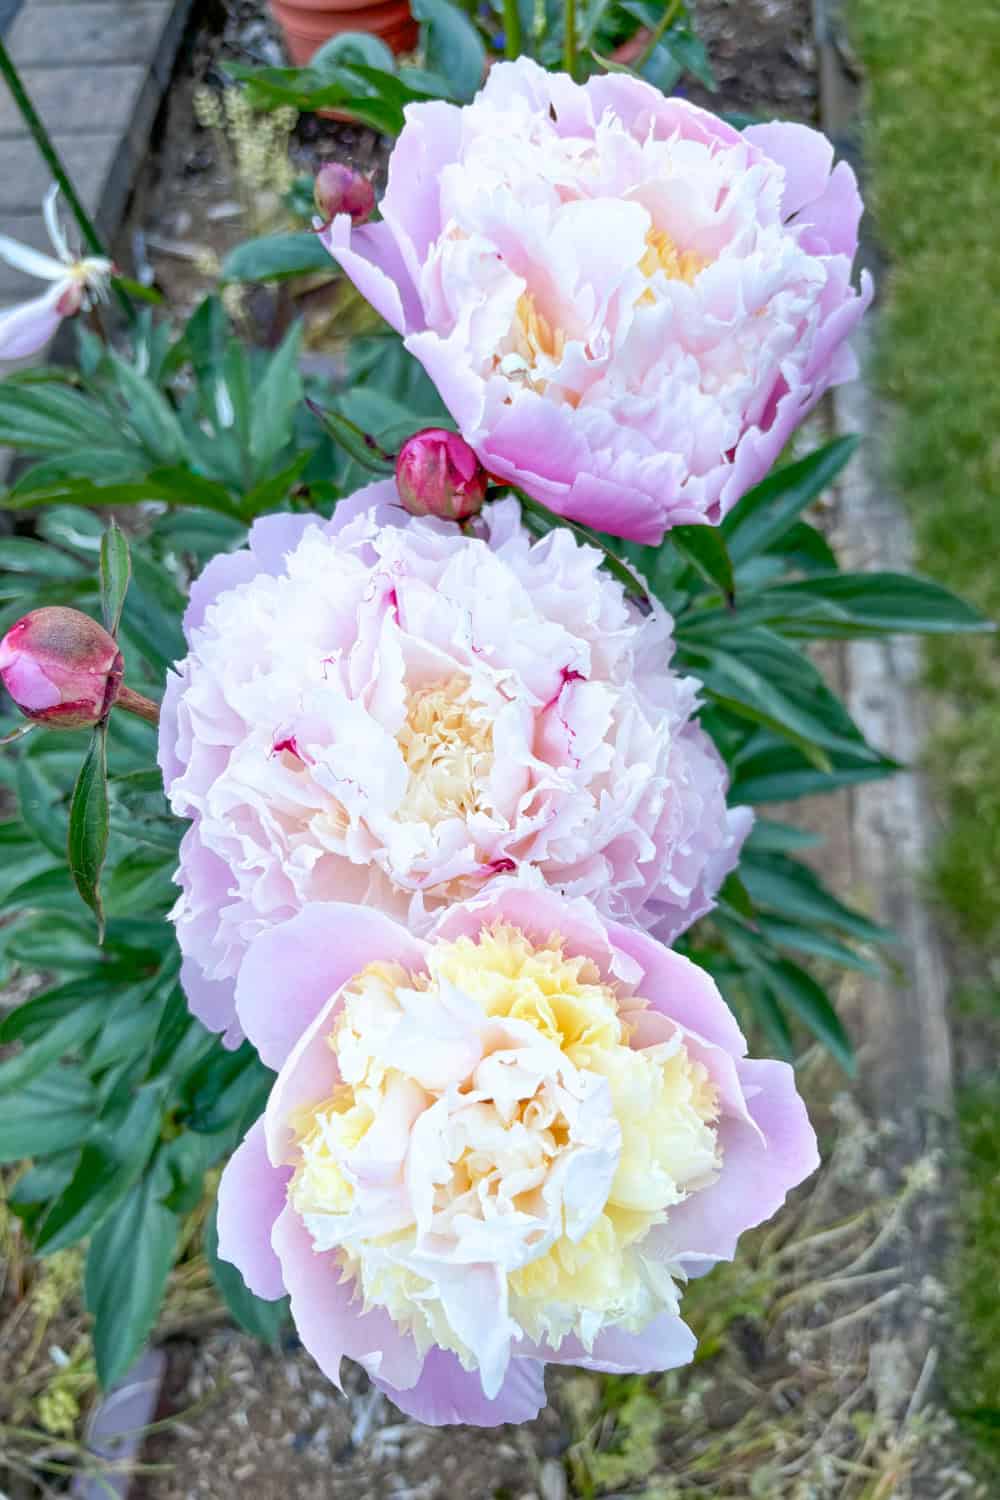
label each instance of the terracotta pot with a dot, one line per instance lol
(307, 24)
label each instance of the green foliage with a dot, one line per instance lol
(121, 1099)
(973, 1375)
(358, 75)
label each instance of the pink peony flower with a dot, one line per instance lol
(61, 668)
(626, 304)
(501, 1146)
(386, 711)
(437, 474)
(339, 189)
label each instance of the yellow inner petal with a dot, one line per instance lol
(447, 743)
(663, 255)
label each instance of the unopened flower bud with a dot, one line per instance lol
(61, 668)
(438, 474)
(341, 190)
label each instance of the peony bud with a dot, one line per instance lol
(61, 668)
(341, 190)
(438, 474)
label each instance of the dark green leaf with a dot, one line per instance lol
(760, 677)
(51, 890)
(452, 46)
(818, 944)
(33, 1020)
(138, 291)
(355, 443)
(264, 1320)
(88, 825)
(128, 1261)
(274, 257)
(25, 555)
(789, 889)
(116, 569)
(150, 414)
(780, 773)
(67, 1034)
(111, 1161)
(51, 1113)
(225, 1088)
(766, 512)
(769, 837)
(845, 605)
(704, 547)
(275, 400)
(808, 1000)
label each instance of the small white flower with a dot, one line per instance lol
(76, 283)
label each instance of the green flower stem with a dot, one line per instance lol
(136, 703)
(511, 29)
(43, 141)
(569, 37)
(663, 26)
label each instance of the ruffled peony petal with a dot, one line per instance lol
(677, 987)
(328, 1319)
(445, 1393)
(759, 1175)
(371, 258)
(290, 972)
(251, 1198)
(664, 1344)
(805, 155)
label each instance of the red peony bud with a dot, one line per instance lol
(61, 668)
(341, 190)
(438, 474)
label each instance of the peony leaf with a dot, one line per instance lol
(50, 1113)
(360, 446)
(452, 46)
(766, 512)
(128, 1262)
(275, 257)
(704, 547)
(116, 570)
(88, 825)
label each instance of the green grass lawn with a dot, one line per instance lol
(933, 148)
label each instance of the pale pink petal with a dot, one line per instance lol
(212, 1001)
(329, 1319)
(291, 971)
(664, 1344)
(27, 328)
(251, 1198)
(757, 1174)
(805, 154)
(371, 258)
(680, 989)
(445, 1393)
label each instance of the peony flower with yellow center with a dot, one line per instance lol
(539, 1139)
(505, 1144)
(386, 710)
